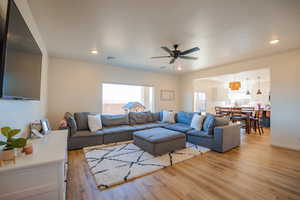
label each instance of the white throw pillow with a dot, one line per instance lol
(168, 117)
(172, 117)
(197, 122)
(94, 122)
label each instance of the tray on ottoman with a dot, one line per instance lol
(158, 141)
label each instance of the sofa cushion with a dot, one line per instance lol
(158, 135)
(115, 120)
(84, 133)
(222, 121)
(209, 124)
(81, 119)
(84, 139)
(160, 115)
(140, 117)
(183, 128)
(184, 117)
(116, 129)
(156, 116)
(199, 133)
(71, 122)
(138, 127)
(160, 123)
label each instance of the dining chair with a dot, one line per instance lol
(236, 111)
(218, 110)
(226, 111)
(256, 121)
(248, 109)
(238, 116)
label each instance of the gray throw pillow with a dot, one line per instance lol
(71, 123)
(81, 119)
(140, 117)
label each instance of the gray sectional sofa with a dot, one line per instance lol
(217, 134)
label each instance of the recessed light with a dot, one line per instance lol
(274, 41)
(178, 68)
(95, 52)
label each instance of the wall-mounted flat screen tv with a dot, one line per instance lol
(21, 59)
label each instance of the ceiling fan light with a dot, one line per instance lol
(179, 69)
(94, 52)
(274, 41)
(248, 92)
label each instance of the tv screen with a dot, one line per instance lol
(21, 59)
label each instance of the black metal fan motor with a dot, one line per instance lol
(174, 54)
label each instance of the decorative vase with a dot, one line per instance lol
(28, 149)
(8, 155)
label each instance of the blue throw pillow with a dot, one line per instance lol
(209, 124)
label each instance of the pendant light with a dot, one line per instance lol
(258, 91)
(248, 91)
(236, 85)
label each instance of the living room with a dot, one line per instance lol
(97, 56)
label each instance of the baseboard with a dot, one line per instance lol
(284, 147)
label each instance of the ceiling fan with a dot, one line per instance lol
(174, 54)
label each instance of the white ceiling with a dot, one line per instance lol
(134, 30)
(251, 75)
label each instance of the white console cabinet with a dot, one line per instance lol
(40, 176)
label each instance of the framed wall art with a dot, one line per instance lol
(167, 95)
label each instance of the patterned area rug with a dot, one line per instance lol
(117, 163)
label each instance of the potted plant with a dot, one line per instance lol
(11, 143)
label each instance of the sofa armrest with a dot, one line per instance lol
(71, 131)
(226, 137)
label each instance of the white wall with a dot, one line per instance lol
(209, 87)
(18, 114)
(285, 92)
(218, 92)
(285, 100)
(75, 86)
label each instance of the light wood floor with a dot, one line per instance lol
(254, 171)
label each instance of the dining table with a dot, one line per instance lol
(244, 115)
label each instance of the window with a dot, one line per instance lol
(199, 102)
(115, 96)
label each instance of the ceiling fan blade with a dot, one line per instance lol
(189, 51)
(172, 61)
(168, 50)
(188, 57)
(161, 57)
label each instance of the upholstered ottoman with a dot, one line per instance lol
(158, 141)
